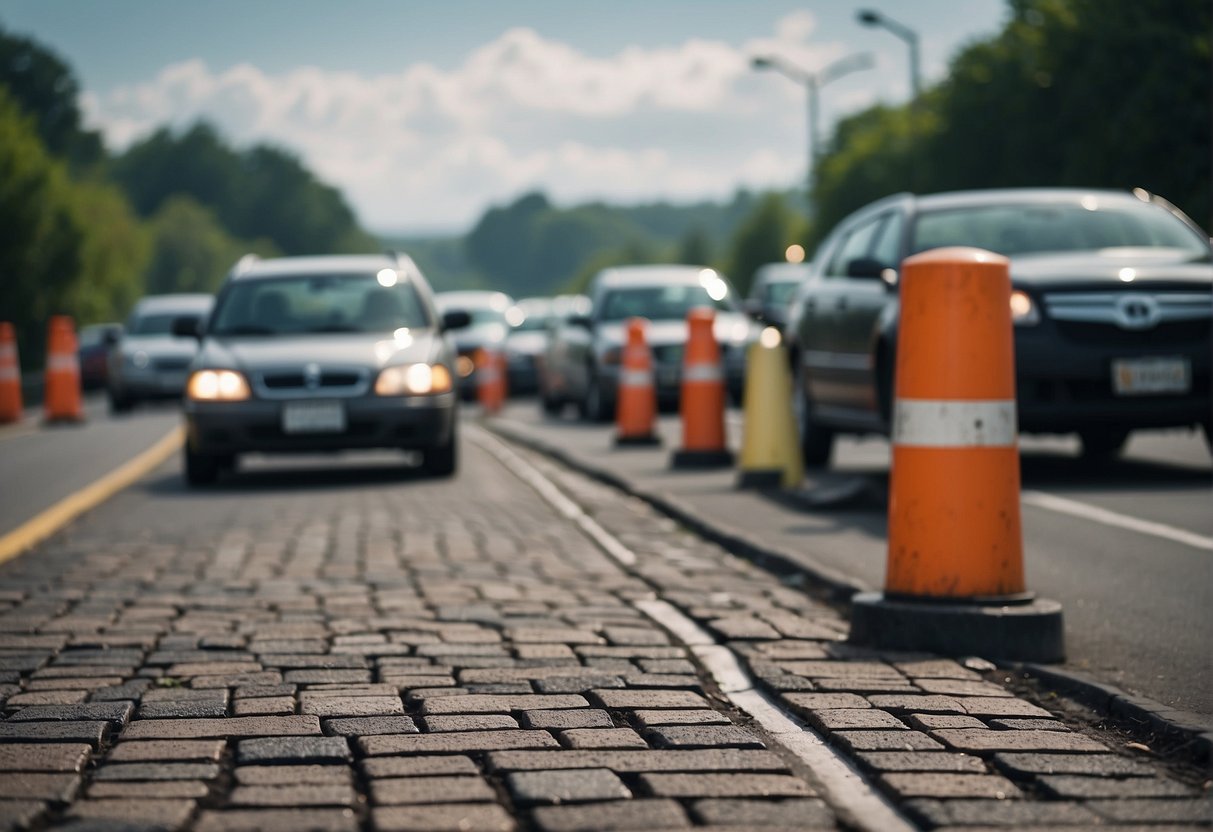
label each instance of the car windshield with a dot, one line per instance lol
(318, 303)
(158, 323)
(483, 316)
(1053, 227)
(533, 323)
(781, 292)
(659, 303)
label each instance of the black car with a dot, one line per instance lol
(1112, 304)
(772, 289)
(330, 353)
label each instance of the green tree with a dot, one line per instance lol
(40, 242)
(762, 238)
(43, 85)
(632, 253)
(113, 257)
(695, 247)
(191, 252)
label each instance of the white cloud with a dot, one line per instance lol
(428, 147)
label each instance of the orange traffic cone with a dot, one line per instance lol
(955, 581)
(702, 404)
(490, 379)
(62, 401)
(636, 411)
(10, 376)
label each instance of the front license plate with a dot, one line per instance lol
(313, 417)
(1151, 376)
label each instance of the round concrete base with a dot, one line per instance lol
(701, 459)
(1018, 632)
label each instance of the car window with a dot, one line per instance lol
(888, 245)
(658, 303)
(1053, 227)
(857, 244)
(157, 323)
(318, 303)
(781, 292)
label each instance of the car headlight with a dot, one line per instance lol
(1023, 309)
(217, 386)
(139, 359)
(413, 380)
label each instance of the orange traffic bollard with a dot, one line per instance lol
(10, 376)
(62, 400)
(636, 410)
(490, 379)
(703, 397)
(954, 581)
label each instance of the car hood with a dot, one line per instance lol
(478, 336)
(1088, 270)
(257, 353)
(730, 328)
(159, 346)
(527, 343)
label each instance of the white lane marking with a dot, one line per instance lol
(1050, 502)
(930, 423)
(843, 786)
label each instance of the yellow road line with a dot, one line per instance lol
(71, 507)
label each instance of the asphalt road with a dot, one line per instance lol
(1120, 547)
(41, 465)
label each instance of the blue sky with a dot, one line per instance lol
(426, 112)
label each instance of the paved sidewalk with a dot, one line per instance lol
(357, 650)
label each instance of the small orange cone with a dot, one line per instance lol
(10, 376)
(490, 379)
(636, 410)
(703, 397)
(955, 580)
(62, 401)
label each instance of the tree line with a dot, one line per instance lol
(86, 232)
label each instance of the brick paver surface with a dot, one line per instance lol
(347, 650)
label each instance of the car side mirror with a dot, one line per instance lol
(582, 321)
(111, 337)
(187, 326)
(753, 308)
(455, 319)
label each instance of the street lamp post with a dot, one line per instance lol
(812, 83)
(871, 17)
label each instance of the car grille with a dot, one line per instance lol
(329, 381)
(668, 354)
(170, 364)
(1129, 318)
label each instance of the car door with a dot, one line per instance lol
(829, 355)
(861, 301)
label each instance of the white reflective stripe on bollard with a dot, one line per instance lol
(926, 423)
(636, 378)
(62, 362)
(702, 372)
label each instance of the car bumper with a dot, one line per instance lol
(149, 384)
(371, 422)
(1063, 386)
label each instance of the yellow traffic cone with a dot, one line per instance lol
(770, 454)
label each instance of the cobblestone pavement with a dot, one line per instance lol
(346, 652)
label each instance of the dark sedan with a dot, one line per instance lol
(320, 354)
(1112, 304)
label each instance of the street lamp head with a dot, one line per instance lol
(869, 17)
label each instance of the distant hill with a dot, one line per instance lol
(532, 247)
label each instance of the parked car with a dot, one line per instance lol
(95, 343)
(149, 361)
(322, 354)
(488, 328)
(1112, 304)
(562, 333)
(773, 287)
(664, 294)
(525, 343)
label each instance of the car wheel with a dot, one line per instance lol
(200, 469)
(550, 404)
(119, 403)
(594, 408)
(816, 442)
(1102, 445)
(442, 460)
(1207, 427)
